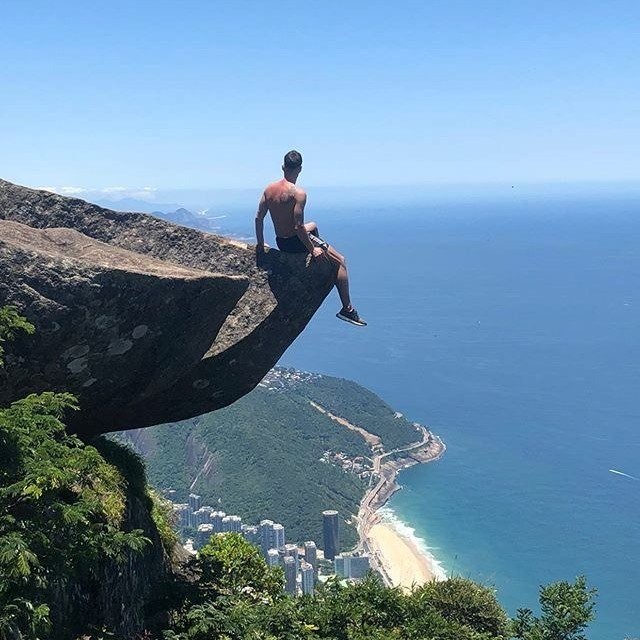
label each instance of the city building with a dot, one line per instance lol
(273, 557)
(330, 533)
(271, 536)
(250, 533)
(290, 574)
(195, 502)
(205, 531)
(201, 516)
(292, 550)
(311, 553)
(307, 573)
(183, 514)
(231, 524)
(278, 536)
(352, 566)
(216, 520)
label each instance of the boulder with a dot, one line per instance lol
(145, 321)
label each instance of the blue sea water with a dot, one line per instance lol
(510, 325)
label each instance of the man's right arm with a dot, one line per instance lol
(260, 214)
(298, 219)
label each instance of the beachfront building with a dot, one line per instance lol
(290, 574)
(307, 574)
(330, 533)
(311, 553)
(352, 566)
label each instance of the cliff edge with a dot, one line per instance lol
(144, 321)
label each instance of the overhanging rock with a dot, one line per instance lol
(145, 321)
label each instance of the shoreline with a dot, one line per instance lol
(395, 552)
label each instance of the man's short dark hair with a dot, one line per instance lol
(293, 160)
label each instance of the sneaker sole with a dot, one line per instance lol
(350, 321)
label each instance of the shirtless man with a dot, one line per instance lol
(285, 202)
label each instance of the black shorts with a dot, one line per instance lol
(293, 244)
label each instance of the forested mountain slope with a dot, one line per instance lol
(266, 455)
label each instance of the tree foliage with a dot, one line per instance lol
(566, 610)
(61, 506)
(236, 598)
(12, 323)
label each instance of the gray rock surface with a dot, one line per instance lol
(145, 321)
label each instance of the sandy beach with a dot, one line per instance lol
(404, 564)
(394, 552)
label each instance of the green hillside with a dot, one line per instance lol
(261, 457)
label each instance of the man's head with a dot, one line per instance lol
(292, 164)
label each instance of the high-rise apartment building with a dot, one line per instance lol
(271, 536)
(352, 566)
(307, 573)
(205, 531)
(201, 516)
(195, 502)
(278, 536)
(250, 533)
(216, 520)
(311, 553)
(330, 533)
(231, 524)
(290, 574)
(183, 514)
(273, 557)
(292, 550)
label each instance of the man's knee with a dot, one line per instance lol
(337, 257)
(311, 227)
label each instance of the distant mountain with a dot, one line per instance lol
(188, 219)
(133, 204)
(169, 212)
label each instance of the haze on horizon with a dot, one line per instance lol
(207, 95)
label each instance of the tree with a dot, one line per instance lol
(566, 609)
(464, 602)
(231, 566)
(61, 506)
(11, 323)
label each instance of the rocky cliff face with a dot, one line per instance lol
(145, 321)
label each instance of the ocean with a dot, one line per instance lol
(508, 322)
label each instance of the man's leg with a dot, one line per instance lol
(312, 228)
(342, 279)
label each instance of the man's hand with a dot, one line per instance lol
(318, 254)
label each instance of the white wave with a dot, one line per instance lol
(388, 515)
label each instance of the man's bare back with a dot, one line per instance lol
(281, 198)
(286, 202)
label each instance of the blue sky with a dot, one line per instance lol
(204, 94)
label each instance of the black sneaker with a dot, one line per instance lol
(351, 316)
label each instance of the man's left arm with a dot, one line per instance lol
(260, 214)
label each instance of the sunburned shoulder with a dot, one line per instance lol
(283, 190)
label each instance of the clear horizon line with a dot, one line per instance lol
(109, 190)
